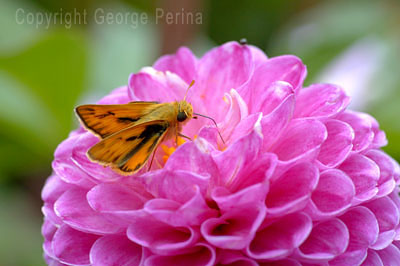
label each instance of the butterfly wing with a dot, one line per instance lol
(105, 120)
(129, 149)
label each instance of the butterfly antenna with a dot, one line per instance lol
(215, 123)
(191, 84)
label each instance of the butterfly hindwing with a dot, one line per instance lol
(129, 149)
(105, 120)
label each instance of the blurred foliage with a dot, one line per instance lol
(45, 73)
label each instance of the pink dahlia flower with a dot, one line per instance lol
(300, 180)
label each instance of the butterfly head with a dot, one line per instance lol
(185, 111)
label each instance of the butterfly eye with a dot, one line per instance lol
(181, 116)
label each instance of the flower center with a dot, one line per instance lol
(168, 151)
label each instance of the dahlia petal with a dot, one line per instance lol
(285, 68)
(333, 194)
(362, 126)
(292, 190)
(233, 162)
(380, 139)
(179, 186)
(284, 262)
(390, 255)
(237, 111)
(326, 240)
(233, 230)
(338, 145)
(192, 213)
(64, 149)
(118, 96)
(48, 231)
(114, 197)
(80, 158)
(258, 55)
(243, 128)
(363, 229)
(278, 239)
(365, 174)
(158, 236)
(49, 213)
(234, 258)
(115, 250)
(183, 63)
(71, 246)
(321, 101)
(73, 208)
(54, 188)
(387, 214)
(372, 259)
(200, 255)
(275, 122)
(386, 183)
(152, 85)
(219, 70)
(193, 157)
(302, 137)
(266, 98)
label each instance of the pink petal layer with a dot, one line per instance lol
(303, 136)
(390, 255)
(338, 145)
(115, 250)
(183, 63)
(372, 259)
(152, 85)
(292, 190)
(73, 208)
(321, 100)
(71, 246)
(333, 194)
(278, 239)
(362, 126)
(200, 255)
(158, 236)
(327, 240)
(365, 174)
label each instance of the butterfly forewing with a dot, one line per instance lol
(105, 120)
(129, 149)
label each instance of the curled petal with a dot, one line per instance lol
(234, 229)
(333, 194)
(386, 182)
(285, 68)
(158, 236)
(152, 85)
(73, 208)
(362, 126)
(338, 145)
(234, 162)
(115, 250)
(72, 247)
(387, 214)
(390, 255)
(292, 190)
(365, 174)
(274, 123)
(278, 239)
(321, 101)
(258, 55)
(183, 63)
(327, 240)
(200, 255)
(192, 213)
(114, 197)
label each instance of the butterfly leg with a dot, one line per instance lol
(183, 136)
(152, 158)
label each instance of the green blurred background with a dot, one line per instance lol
(48, 68)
